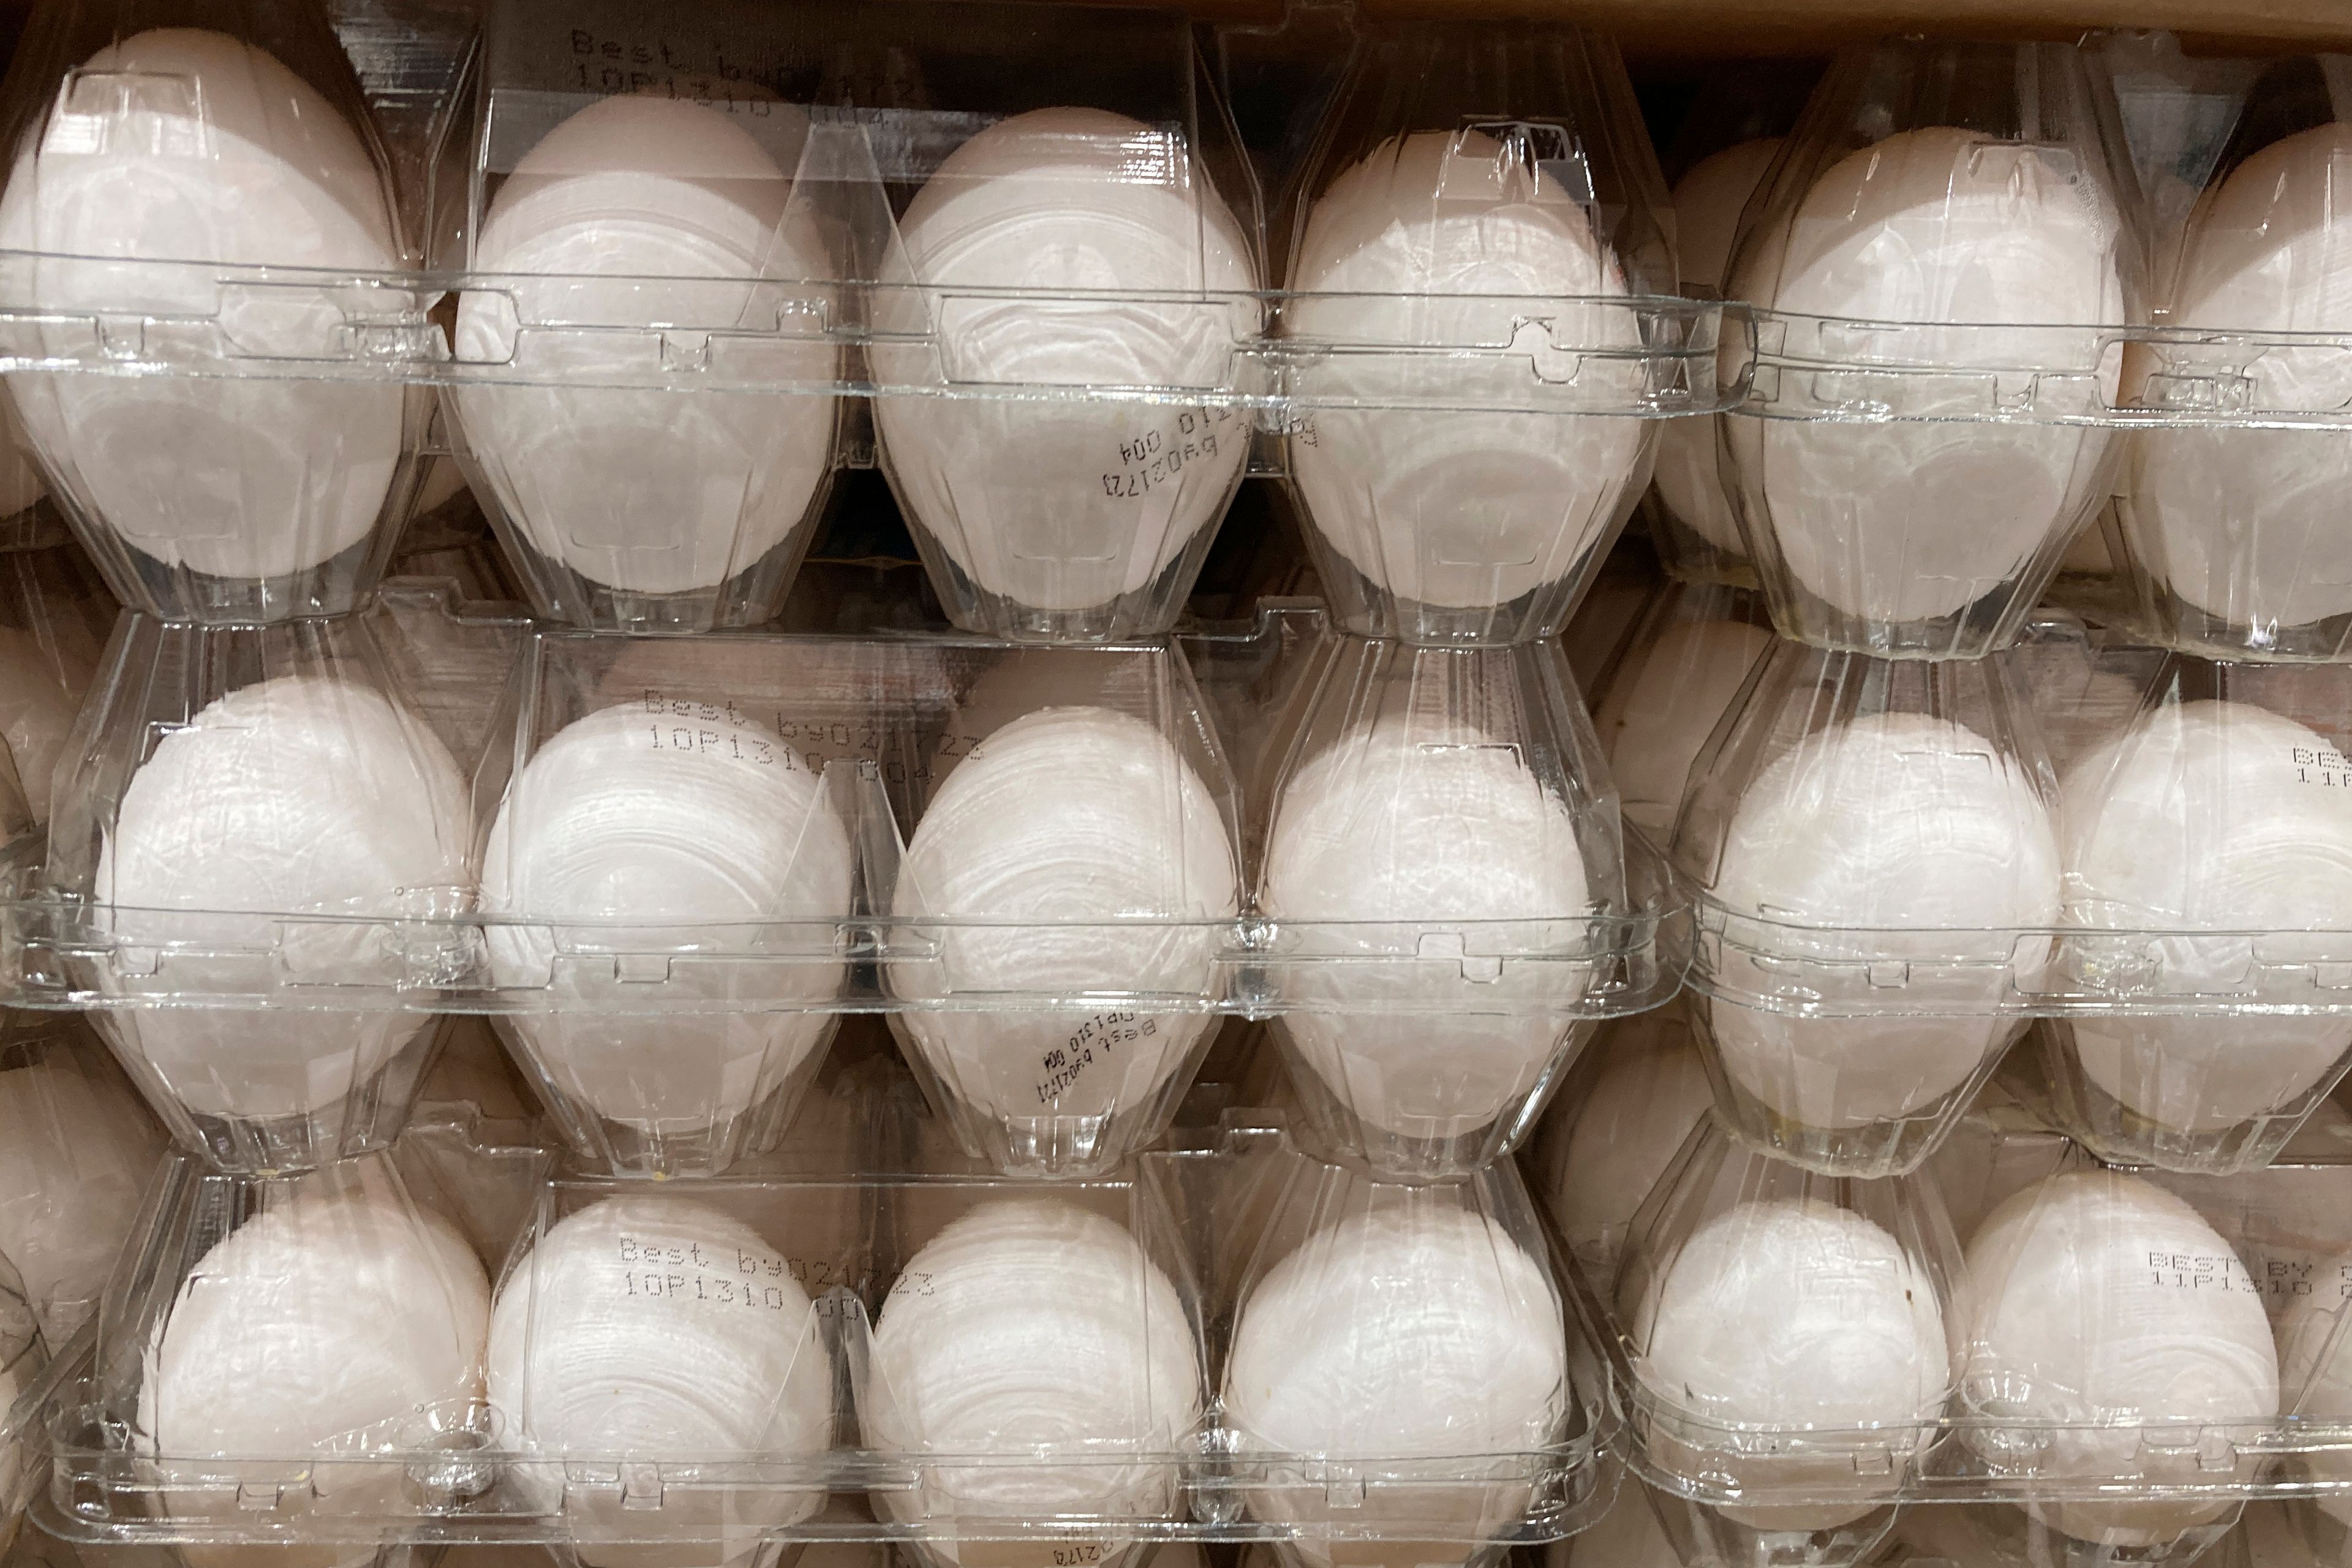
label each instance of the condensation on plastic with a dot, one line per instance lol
(1439, 833)
(1682, 667)
(1011, 1416)
(202, 187)
(1463, 171)
(1941, 259)
(254, 815)
(1853, 825)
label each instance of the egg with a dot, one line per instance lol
(77, 1150)
(1081, 500)
(2316, 1370)
(238, 161)
(1883, 821)
(1726, 1339)
(649, 490)
(2071, 1339)
(275, 1345)
(1072, 850)
(1401, 822)
(2242, 525)
(1414, 1330)
(2213, 816)
(662, 1330)
(1437, 241)
(302, 793)
(1656, 714)
(705, 837)
(1939, 226)
(1031, 1328)
(1707, 202)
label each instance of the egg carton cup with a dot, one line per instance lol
(1058, 1033)
(1467, 779)
(836, 1463)
(2026, 1435)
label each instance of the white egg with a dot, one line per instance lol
(302, 793)
(1888, 821)
(2095, 1302)
(1031, 1328)
(1072, 850)
(1653, 724)
(1070, 503)
(1726, 1339)
(1708, 201)
(237, 161)
(1472, 509)
(278, 1343)
(77, 1150)
(660, 832)
(659, 1329)
(1934, 225)
(2215, 816)
(1624, 1133)
(2245, 524)
(1417, 1330)
(1401, 823)
(2315, 1374)
(647, 491)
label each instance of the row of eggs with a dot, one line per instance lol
(1068, 506)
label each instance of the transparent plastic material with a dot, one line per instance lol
(1439, 830)
(1741, 112)
(707, 1371)
(2196, 952)
(1786, 1335)
(1855, 820)
(249, 814)
(54, 621)
(2113, 1371)
(1942, 260)
(1681, 668)
(76, 1148)
(1463, 171)
(198, 191)
(1058, 924)
(24, 1372)
(624, 243)
(2230, 539)
(1623, 1111)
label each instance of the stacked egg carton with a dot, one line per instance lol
(2008, 1225)
(652, 1086)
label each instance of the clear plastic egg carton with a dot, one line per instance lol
(839, 1348)
(666, 866)
(1019, 263)
(1894, 866)
(2105, 1366)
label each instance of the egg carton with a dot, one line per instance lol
(1204, 1226)
(1853, 996)
(2076, 1260)
(643, 274)
(1060, 1034)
